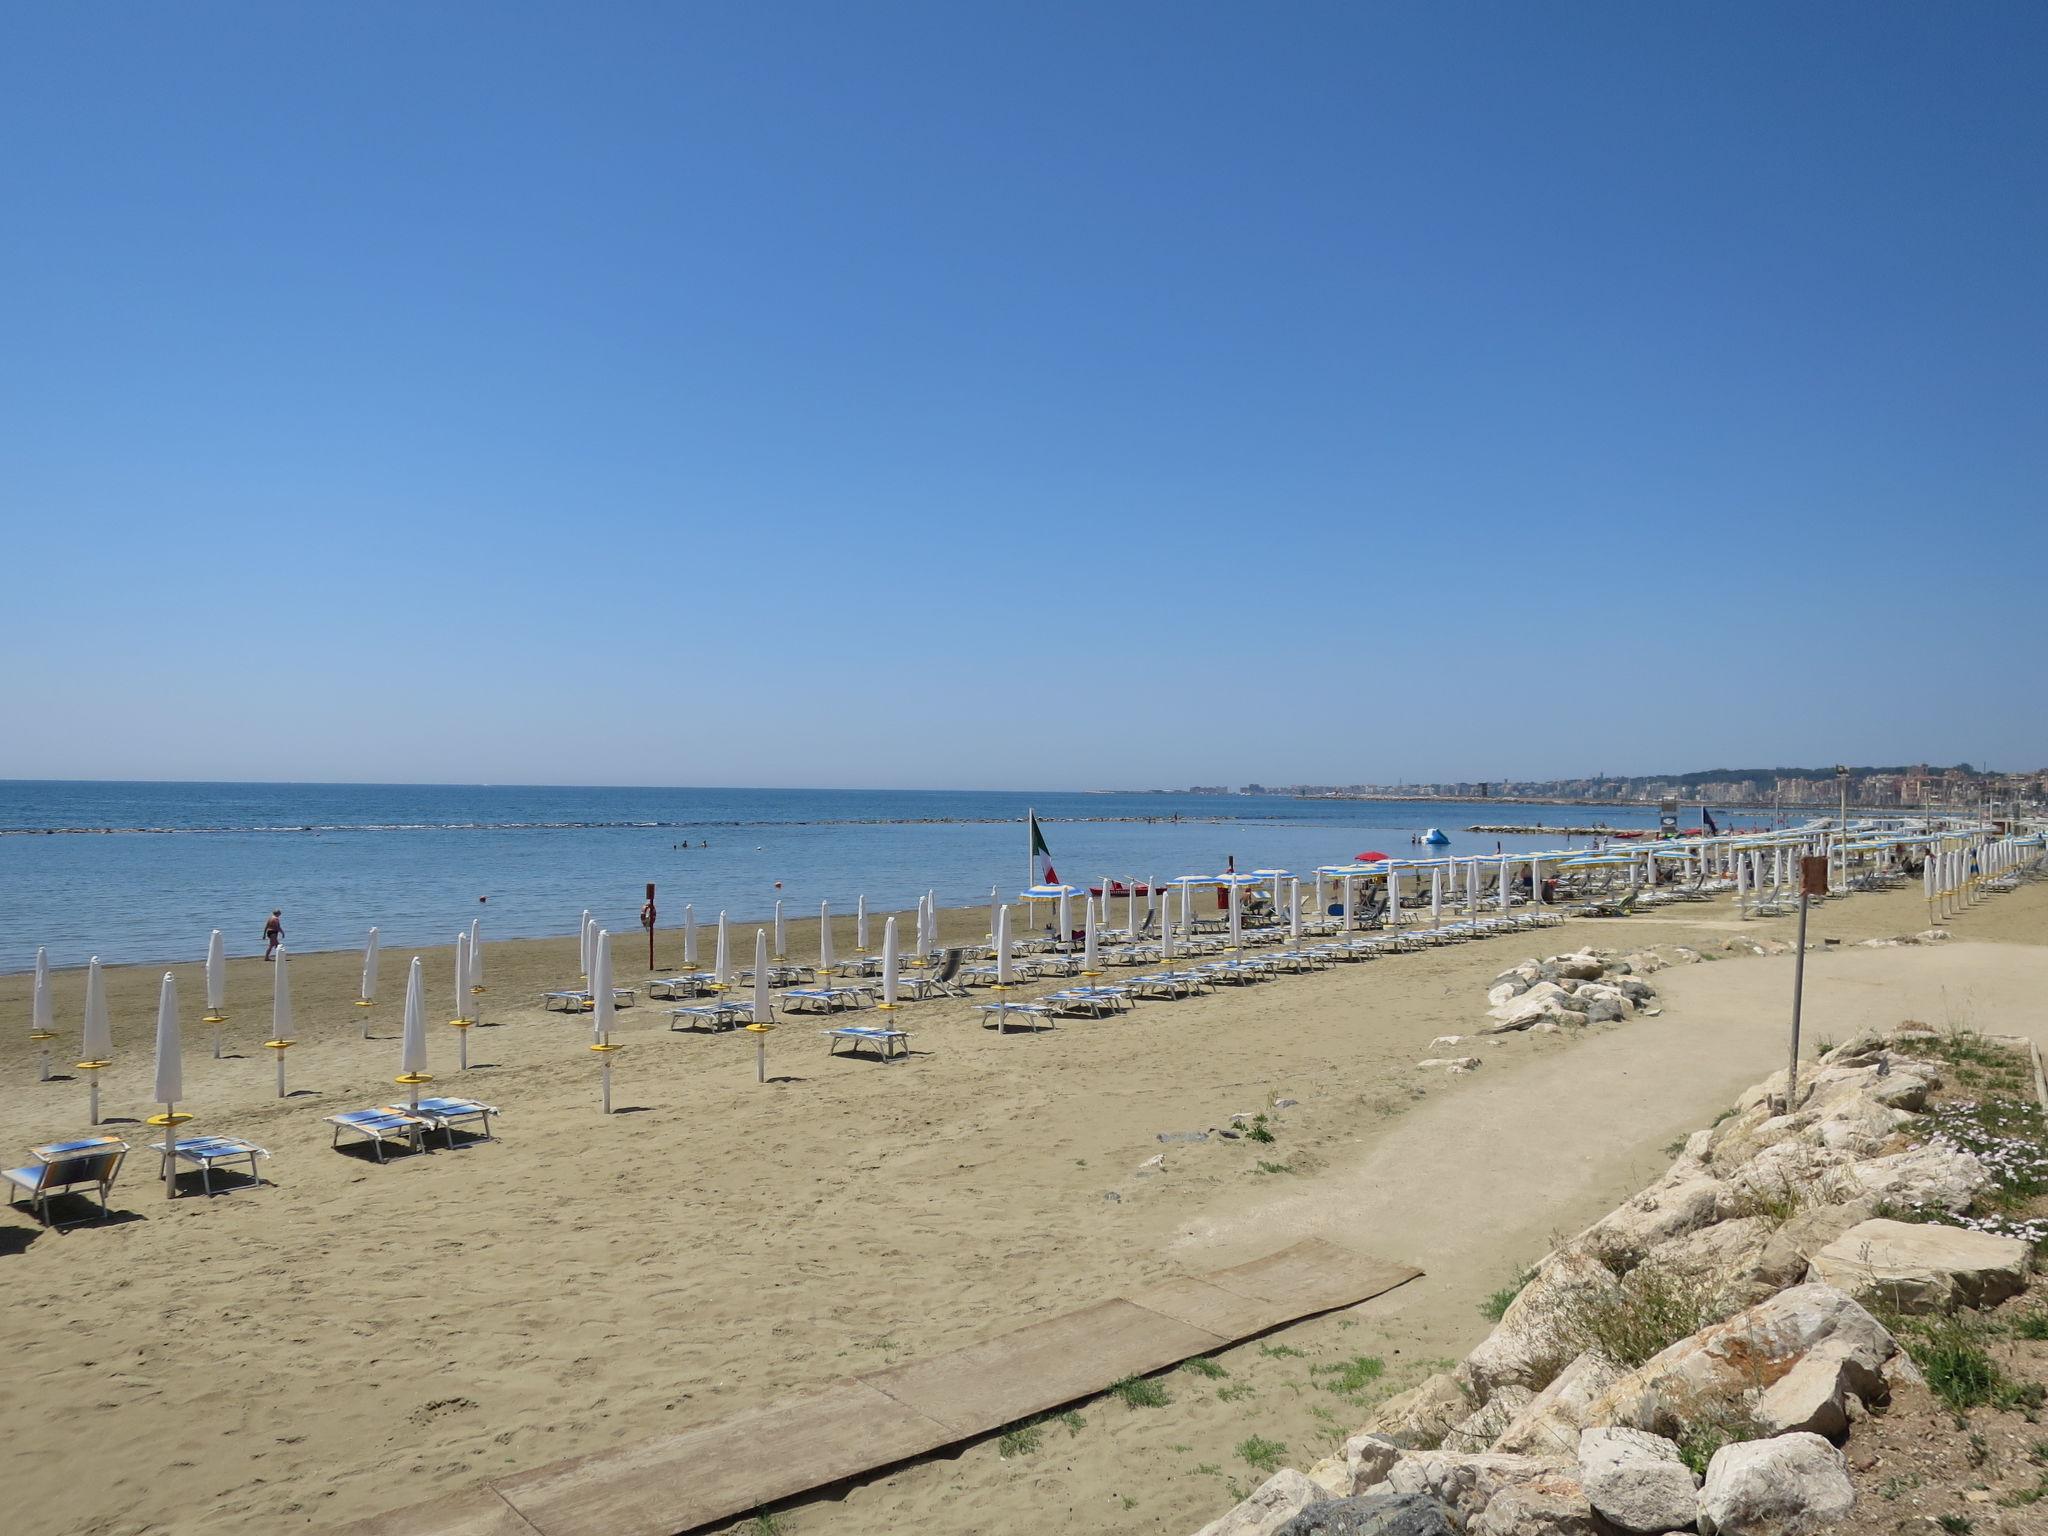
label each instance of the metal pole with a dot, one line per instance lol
(1798, 995)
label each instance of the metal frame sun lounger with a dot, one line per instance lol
(377, 1126)
(1116, 999)
(1000, 1012)
(445, 1114)
(827, 999)
(204, 1151)
(91, 1162)
(574, 1001)
(668, 988)
(719, 1015)
(894, 1044)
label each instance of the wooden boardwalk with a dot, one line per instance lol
(678, 1482)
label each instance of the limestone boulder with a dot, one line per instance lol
(1373, 1514)
(1272, 1504)
(1549, 1424)
(1684, 1200)
(1533, 1340)
(1550, 1505)
(1479, 1430)
(1788, 1252)
(1921, 1179)
(1787, 1486)
(1468, 1484)
(1815, 1396)
(1716, 1369)
(1421, 1416)
(1923, 1267)
(1504, 992)
(1636, 1481)
(1584, 966)
(1726, 1256)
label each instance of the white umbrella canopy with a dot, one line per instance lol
(412, 1049)
(99, 1030)
(1002, 937)
(216, 973)
(889, 963)
(601, 987)
(764, 1008)
(1090, 963)
(42, 1013)
(721, 964)
(860, 924)
(583, 944)
(1165, 923)
(931, 922)
(824, 939)
(476, 952)
(281, 999)
(170, 1062)
(781, 934)
(367, 992)
(1067, 915)
(689, 935)
(995, 907)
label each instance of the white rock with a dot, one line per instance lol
(1530, 1346)
(1636, 1480)
(1445, 1040)
(1932, 935)
(1421, 1415)
(1786, 1486)
(1923, 1267)
(1685, 1199)
(1450, 1063)
(1273, 1503)
(1550, 1423)
(1926, 1176)
(1505, 991)
(1468, 1484)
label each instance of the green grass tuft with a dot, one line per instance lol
(1349, 1376)
(1140, 1392)
(1260, 1453)
(1202, 1365)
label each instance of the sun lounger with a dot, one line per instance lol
(1115, 999)
(944, 981)
(377, 1126)
(579, 1002)
(722, 1015)
(91, 1162)
(669, 988)
(826, 999)
(446, 1114)
(204, 1151)
(891, 1043)
(1002, 1012)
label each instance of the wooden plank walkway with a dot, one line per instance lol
(678, 1482)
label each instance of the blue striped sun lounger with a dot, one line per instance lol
(204, 1151)
(721, 1015)
(1002, 1012)
(892, 1043)
(377, 1126)
(92, 1162)
(447, 1114)
(825, 999)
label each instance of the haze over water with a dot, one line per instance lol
(413, 859)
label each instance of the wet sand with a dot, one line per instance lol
(352, 1337)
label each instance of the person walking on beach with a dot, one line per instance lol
(273, 933)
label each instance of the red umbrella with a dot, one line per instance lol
(1373, 857)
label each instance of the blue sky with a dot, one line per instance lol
(1056, 395)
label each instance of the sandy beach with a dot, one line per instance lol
(354, 1337)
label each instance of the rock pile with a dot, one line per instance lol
(1589, 986)
(1576, 1417)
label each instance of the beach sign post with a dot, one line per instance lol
(601, 1011)
(216, 988)
(42, 1016)
(99, 1034)
(1813, 881)
(412, 1049)
(170, 1079)
(280, 1039)
(763, 1021)
(460, 1023)
(366, 994)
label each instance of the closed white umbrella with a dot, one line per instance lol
(889, 963)
(216, 987)
(690, 936)
(366, 991)
(1322, 900)
(764, 1007)
(1345, 895)
(1472, 888)
(920, 937)
(1536, 881)
(42, 1014)
(1131, 903)
(1166, 922)
(1236, 917)
(781, 934)
(1002, 948)
(476, 968)
(860, 924)
(465, 962)
(1294, 908)
(583, 945)
(412, 1049)
(995, 908)
(1393, 895)
(824, 939)
(280, 1039)
(1436, 897)
(170, 1078)
(1066, 911)
(99, 1032)
(1507, 898)
(721, 965)
(1090, 964)
(931, 922)
(601, 1012)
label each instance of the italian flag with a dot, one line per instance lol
(1041, 853)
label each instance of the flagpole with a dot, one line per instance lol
(1030, 847)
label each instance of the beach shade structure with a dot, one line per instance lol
(1322, 897)
(721, 963)
(930, 940)
(476, 961)
(216, 988)
(412, 1048)
(1131, 903)
(465, 958)
(1293, 907)
(601, 1012)
(1091, 961)
(890, 963)
(366, 989)
(1472, 888)
(781, 934)
(98, 1045)
(42, 1013)
(1066, 919)
(763, 1021)
(170, 1078)
(995, 908)
(1277, 878)
(1372, 856)
(1536, 879)
(860, 924)
(1166, 923)
(824, 939)
(1436, 897)
(1393, 918)
(280, 1039)
(583, 945)
(690, 934)
(1002, 937)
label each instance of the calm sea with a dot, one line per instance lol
(142, 872)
